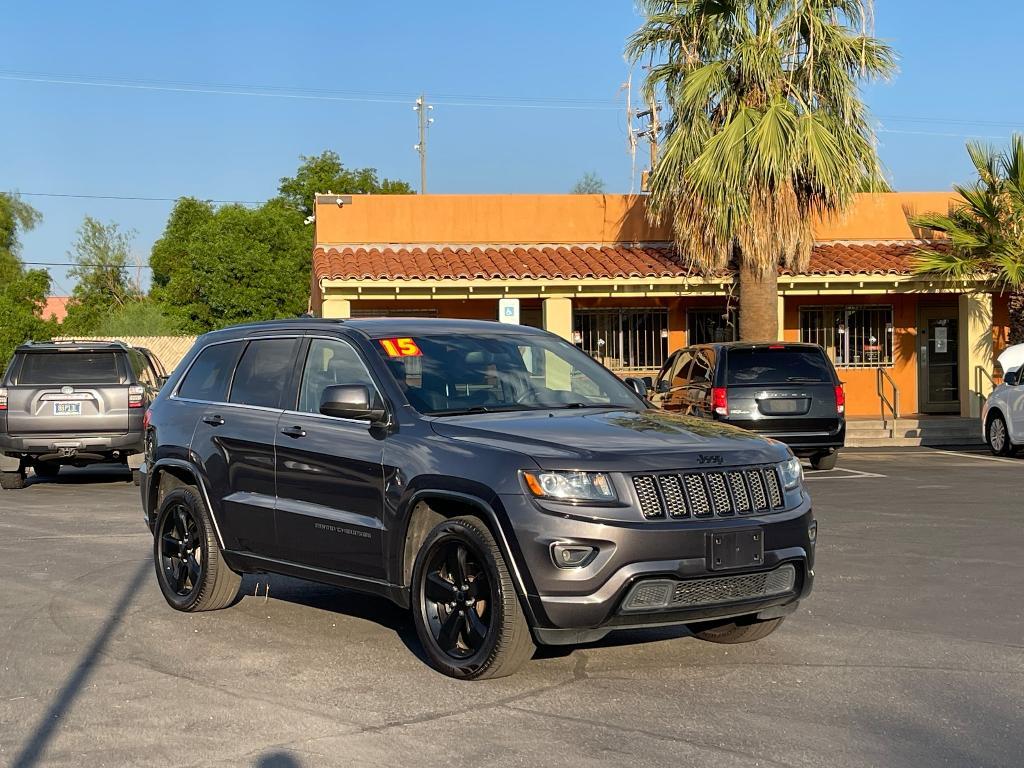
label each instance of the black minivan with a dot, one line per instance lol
(783, 390)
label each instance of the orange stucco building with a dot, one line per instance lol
(592, 269)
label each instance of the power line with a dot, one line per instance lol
(313, 94)
(75, 264)
(132, 197)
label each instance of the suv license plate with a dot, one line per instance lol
(737, 549)
(67, 409)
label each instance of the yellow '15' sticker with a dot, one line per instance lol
(401, 347)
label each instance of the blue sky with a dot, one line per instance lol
(960, 76)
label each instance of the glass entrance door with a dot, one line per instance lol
(939, 361)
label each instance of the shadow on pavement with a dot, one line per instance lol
(277, 760)
(96, 473)
(32, 752)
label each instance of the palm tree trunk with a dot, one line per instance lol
(759, 305)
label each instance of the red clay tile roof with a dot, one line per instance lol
(573, 262)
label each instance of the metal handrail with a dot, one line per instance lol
(881, 377)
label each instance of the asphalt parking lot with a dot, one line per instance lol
(909, 653)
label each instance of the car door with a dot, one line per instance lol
(1013, 396)
(330, 479)
(671, 389)
(234, 435)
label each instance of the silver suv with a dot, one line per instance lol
(73, 403)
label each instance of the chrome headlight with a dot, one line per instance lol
(570, 486)
(791, 472)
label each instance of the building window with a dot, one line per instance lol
(705, 326)
(857, 336)
(623, 339)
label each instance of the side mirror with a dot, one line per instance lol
(664, 386)
(648, 382)
(350, 401)
(1012, 378)
(637, 385)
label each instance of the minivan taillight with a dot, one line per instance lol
(3, 399)
(145, 419)
(135, 394)
(840, 399)
(720, 401)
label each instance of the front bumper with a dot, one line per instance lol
(572, 605)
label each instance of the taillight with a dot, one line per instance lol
(720, 401)
(145, 419)
(840, 399)
(135, 394)
(3, 399)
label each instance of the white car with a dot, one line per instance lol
(1002, 418)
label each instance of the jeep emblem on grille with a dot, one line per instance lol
(709, 458)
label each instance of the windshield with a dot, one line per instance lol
(778, 366)
(449, 374)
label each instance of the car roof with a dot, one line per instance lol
(72, 345)
(376, 327)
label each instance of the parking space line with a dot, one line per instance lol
(937, 452)
(852, 474)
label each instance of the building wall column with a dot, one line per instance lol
(782, 316)
(558, 316)
(334, 307)
(975, 351)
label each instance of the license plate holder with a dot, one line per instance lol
(736, 549)
(67, 409)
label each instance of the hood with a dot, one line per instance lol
(613, 439)
(1012, 357)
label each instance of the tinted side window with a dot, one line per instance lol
(263, 372)
(329, 363)
(778, 366)
(701, 370)
(681, 370)
(209, 376)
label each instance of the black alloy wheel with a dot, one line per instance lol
(181, 551)
(456, 599)
(465, 605)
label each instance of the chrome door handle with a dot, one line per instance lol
(294, 432)
(213, 419)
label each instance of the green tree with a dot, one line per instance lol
(138, 317)
(985, 233)
(22, 292)
(213, 268)
(766, 130)
(588, 184)
(325, 173)
(101, 255)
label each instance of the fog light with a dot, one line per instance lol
(812, 531)
(572, 555)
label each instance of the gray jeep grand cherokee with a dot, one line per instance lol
(73, 403)
(492, 478)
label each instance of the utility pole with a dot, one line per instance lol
(422, 108)
(651, 134)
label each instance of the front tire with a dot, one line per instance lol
(189, 568)
(824, 461)
(997, 436)
(465, 606)
(736, 631)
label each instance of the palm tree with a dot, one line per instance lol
(985, 234)
(766, 130)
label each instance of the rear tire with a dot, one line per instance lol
(736, 631)
(46, 469)
(474, 633)
(189, 568)
(824, 461)
(997, 436)
(12, 481)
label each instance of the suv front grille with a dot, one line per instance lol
(709, 494)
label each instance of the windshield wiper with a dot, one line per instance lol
(476, 409)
